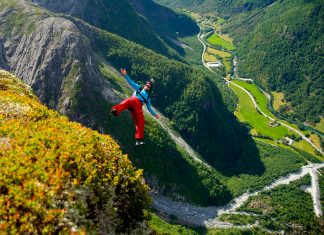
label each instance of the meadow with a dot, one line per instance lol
(278, 100)
(260, 98)
(246, 112)
(210, 57)
(216, 40)
(225, 57)
(320, 126)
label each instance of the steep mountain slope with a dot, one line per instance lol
(284, 52)
(119, 17)
(59, 177)
(164, 20)
(224, 8)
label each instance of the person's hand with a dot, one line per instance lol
(157, 116)
(123, 71)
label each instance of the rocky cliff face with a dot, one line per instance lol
(116, 16)
(53, 56)
(3, 62)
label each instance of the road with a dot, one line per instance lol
(272, 119)
(200, 38)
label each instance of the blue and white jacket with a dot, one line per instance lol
(143, 94)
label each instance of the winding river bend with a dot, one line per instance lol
(206, 216)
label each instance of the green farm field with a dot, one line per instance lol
(225, 57)
(262, 101)
(278, 100)
(246, 112)
(260, 98)
(210, 57)
(303, 145)
(215, 39)
(222, 54)
(320, 126)
(259, 123)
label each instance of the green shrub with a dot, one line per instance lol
(57, 176)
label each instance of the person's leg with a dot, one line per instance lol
(134, 116)
(140, 125)
(117, 109)
(138, 112)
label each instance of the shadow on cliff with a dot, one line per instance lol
(225, 143)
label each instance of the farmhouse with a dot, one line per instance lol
(214, 64)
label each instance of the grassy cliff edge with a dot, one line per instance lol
(58, 176)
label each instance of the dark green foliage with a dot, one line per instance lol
(275, 162)
(238, 219)
(237, 231)
(321, 185)
(164, 20)
(285, 208)
(189, 97)
(159, 226)
(225, 8)
(168, 167)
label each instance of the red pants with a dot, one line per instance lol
(134, 105)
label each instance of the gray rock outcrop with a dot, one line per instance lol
(52, 55)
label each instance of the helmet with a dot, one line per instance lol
(149, 83)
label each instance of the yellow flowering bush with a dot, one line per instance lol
(57, 176)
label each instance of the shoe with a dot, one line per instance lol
(139, 142)
(114, 112)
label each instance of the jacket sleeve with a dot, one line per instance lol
(132, 83)
(149, 107)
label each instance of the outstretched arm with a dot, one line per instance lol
(149, 107)
(129, 80)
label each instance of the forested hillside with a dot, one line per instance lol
(283, 50)
(224, 8)
(164, 20)
(146, 23)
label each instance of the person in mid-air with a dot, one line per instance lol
(134, 105)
